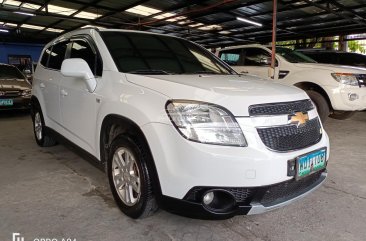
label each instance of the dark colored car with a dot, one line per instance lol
(15, 90)
(335, 57)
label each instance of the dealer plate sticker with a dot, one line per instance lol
(6, 102)
(311, 162)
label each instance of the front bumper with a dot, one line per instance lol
(262, 199)
(339, 97)
(19, 103)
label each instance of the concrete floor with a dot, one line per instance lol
(53, 193)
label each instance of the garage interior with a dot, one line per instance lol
(57, 193)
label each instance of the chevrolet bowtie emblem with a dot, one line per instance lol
(298, 118)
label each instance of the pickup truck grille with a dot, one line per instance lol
(10, 93)
(282, 108)
(291, 137)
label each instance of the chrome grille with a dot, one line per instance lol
(291, 137)
(282, 108)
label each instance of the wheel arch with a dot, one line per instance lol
(315, 87)
(114, 125)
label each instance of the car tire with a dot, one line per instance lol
(129, 178)
(320, 103)
(342, 115)
(39, 129)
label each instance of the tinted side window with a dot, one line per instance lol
(256, 57)
(231, 56)
(57, 55)
(81, 49)
(45, 56)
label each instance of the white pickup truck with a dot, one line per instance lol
(337, 91)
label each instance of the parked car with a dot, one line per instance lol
(335, 57)
(337, 91)
(15, 91)
(175, 126)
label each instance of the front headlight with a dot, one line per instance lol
(26, 93)
(346, 78)
(205, 123)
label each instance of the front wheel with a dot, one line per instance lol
(129, 178)
(342, 115)
(320, 103)
(42, 138)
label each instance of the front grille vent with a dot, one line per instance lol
(282, 108)
(291, 137)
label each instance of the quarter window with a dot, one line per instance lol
(81, 49)
(57, 55)
(231, 56)
(45, 56)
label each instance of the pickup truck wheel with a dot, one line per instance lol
(42, 138)
(342, 115)
(321, 104)
(129, 178)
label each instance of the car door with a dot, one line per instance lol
(78, 105)
(49, 77)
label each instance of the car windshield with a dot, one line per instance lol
(141, 53)
(10, 72)
(293, 56)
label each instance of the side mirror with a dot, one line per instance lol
(79, 68)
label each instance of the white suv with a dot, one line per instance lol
(336, 90)
(176, 127)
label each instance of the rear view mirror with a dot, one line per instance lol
(79, 68)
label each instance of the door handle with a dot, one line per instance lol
(42, 85)
(64, 93)
(244, 72)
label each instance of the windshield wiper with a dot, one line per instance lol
(149, 71)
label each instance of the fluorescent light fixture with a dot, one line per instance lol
(56, 30)
(211, 27)
(59, 10)
(142, 10)
(4, 31)
(87, 15)
(31, 6)
(12, 3)
(249, 21)
(195, 25)
(11, 24)
(28, 14)
(36, 27)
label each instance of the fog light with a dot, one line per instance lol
(208, 198)
(352, 96)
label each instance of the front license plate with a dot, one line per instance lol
(310, 163)
(6, 102)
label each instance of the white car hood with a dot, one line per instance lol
(233, 92)
(333, 67)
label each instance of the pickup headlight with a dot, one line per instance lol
(346, 78)
(26, 93)
(205, 123)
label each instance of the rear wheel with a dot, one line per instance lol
(342, 115)
(42, 138)
(129, 178)
(321, 104)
